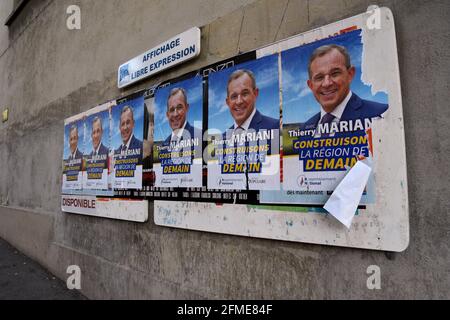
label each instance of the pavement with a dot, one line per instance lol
(23, 279)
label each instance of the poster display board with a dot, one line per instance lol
(257, 144)
(315, 158)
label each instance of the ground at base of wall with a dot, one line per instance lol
(23, 279)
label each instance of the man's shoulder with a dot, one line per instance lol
(78, 154)
(373, 108)
(103, 149)
(135, 142)
(270, 123)
(188, 127)
(193, 131)
(311, 123)
(261, 121)
(361, 108)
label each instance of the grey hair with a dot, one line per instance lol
(239, 73)
(173, 92)
(73, 127)
(97, 118)
(323, 50)
(127, 108)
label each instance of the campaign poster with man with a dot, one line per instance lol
(73, 164)
(127, 136)
(177, 150)
(97, 147)
(243, 126)
(327, 116)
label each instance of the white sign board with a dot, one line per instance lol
(121, 209)
(176, 50)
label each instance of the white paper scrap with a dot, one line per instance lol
(347, 195)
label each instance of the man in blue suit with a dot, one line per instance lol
(73, 144)
(98, 148)
(242, 93)
(129, 141)
(177, 109)
(330, 76)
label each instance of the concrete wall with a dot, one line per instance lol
(48, 73)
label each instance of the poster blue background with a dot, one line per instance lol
(299, 103)
(137, 105)
(104, 116)
(268, 101)
(81, 137)
(194, 92)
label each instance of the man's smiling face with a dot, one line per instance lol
(330, 79)
(241, 98)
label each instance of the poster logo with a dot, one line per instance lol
(124, 73)
(302, 181)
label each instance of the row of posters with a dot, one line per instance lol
(103, 147)
(287, 126)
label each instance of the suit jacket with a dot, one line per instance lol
(101, 151)
(187, 129)
(78, 155)
(189, 132)
(356, 108)
(261, 121)
(134, 144)
(258, 122)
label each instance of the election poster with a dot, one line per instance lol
(177, 149)
(243, 126)
(328, 111)
(73, 164)
(97, 175)
(126, 138)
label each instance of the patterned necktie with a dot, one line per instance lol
(124, 148)
(327, 118)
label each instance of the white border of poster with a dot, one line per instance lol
(383, 225)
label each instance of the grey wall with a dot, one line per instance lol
(48, 73)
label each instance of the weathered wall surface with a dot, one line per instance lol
(48, 73)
